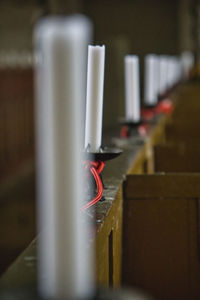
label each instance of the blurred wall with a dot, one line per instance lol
(185, 41)
(128, 26)
(17, 19)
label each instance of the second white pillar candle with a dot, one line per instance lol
(94, 98)
(132, 88)
(163, 66)
(151, 79)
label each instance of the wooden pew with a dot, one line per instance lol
(184, 123)
(161, 235)
(180, 130)
(143, 162)
(177, 157)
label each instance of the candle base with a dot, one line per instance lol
(148, 113)
(132, 129)
(104, 154)
(149, 106)
(131, 123)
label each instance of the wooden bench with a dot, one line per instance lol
(161, 237)
(182, 131)
(177, 157)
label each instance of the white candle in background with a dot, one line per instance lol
(163, 66)
(65, 260)
(132, 88)
(173, 71)
(151, 79)
(94, 99)
(170, 72)
(187, 60)
(178, 69)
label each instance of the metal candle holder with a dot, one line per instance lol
(132, 126)
(104, 153)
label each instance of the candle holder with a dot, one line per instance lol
(148, 112)
(131, 123)
(94, 163)
(131, 128)
(165, 106)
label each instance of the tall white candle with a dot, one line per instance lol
(170, 72)
(178, 69)
(187, 60)
(151, 79)
(94, 99)
(163, 66)
(65, 260)
(132, 88)
(173, 73)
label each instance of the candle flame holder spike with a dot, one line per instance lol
(94, 163)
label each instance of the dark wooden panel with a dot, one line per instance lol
(109, 246)
(194, 253)
(160, 249)
(177, 158)
(162, 185)
(185, 132)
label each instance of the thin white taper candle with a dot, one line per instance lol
(65, 260)
(94, 99)
(151, 79)
(132, 88)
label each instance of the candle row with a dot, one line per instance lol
(65, 260)
(161, 72)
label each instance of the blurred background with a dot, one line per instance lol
(125, 27)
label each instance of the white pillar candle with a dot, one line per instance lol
(132, 88)
(163, 66)
(178, 69)
(174, 71)
(170, 72)
(65, 260)
(151, 79)
(187, 60)
(94, 99)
